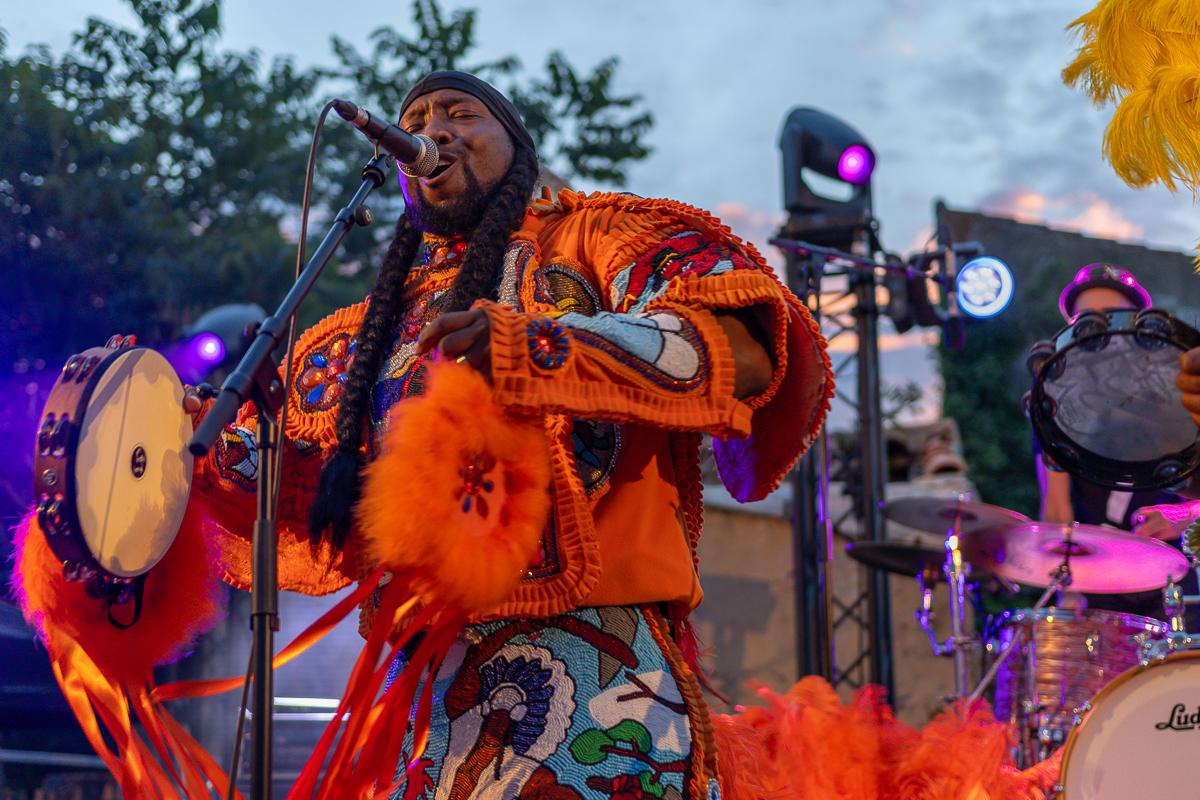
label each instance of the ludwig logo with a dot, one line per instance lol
(1180, 719)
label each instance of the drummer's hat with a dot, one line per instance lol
(1100, 274)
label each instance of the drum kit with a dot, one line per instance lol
(1116, 691)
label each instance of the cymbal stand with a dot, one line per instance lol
(924, 614)
(956, 581)
(1061, 580)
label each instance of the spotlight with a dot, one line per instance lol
(855, 164)
(984, 287)
(209, 347)
(827, 168)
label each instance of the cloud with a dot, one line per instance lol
(1081, 211)
(917, 339)
(757, 226)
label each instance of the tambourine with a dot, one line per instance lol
(112, 472)
(1104, 404)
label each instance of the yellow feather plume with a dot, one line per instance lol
(1144, 56)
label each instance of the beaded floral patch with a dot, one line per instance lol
(320, 382)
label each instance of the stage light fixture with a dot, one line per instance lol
(827, 167)
(984, 287)
(855, 164)
(208, 347)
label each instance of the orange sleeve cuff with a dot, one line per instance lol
(546, 364)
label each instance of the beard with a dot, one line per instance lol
(457, 215)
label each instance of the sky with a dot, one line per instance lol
(961, 99)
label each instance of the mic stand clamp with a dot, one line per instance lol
(256, 379)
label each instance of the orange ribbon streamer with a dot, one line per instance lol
(304, 640)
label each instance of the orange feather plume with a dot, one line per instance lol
(454, 507)
(182, 599)
(807, 744)
(106, 672)
(458, 500)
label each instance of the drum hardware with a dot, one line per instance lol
(960, 638)
(1104, 404)
(1060, 579)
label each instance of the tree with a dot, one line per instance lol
(147, 175)
(983, 386)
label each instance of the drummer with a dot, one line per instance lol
(1189, 381)
(1068, 498)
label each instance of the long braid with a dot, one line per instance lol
(485, 252)
(332, 510)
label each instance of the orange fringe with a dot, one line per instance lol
(807, 745)
(106, 673)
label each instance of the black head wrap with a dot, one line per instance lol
(500, 106)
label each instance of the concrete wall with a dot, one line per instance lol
(747, 618)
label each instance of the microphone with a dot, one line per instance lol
(954, 328)
(418, 155)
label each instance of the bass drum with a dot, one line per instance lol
(1141, 736)
(112, 472)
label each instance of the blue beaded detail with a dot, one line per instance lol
(549, 344)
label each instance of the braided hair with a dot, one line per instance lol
(332, 511)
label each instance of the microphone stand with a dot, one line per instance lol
(257, 379)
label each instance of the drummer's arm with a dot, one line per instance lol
(1056, 494)
(1188, 382)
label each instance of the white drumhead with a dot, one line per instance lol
(133, 471)
(1142, 736)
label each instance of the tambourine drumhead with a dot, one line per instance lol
(1105, 406)
(1142, 736)
(132, 468)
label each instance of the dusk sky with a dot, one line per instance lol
(961, 100)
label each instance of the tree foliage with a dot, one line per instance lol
(148, 174)
(984, 383)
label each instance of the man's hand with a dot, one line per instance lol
(464, 336)
(1167, 522)
(192, 404)
(1189, 381)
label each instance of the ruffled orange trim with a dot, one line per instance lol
(575, 539)
(592, 384)
(105, 672)
(802, 384)
(303, 568)
(616, 228)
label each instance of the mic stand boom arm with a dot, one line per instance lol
(256, 378)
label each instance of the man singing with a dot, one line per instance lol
(634, 326)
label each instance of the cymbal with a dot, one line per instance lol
(939, 514)
(1102, 560)
(902, 559)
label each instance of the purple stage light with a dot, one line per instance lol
(209, 347)
(855, 164)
